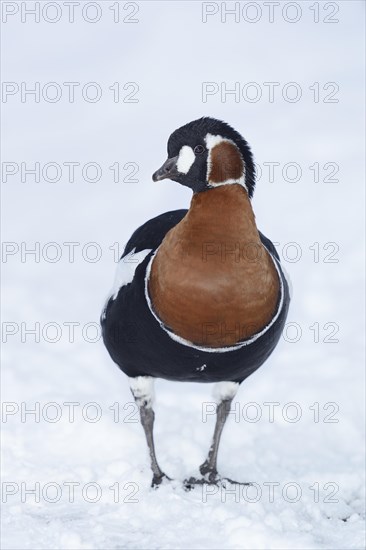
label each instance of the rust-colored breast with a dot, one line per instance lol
(212, 282)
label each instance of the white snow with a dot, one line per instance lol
(299, 420)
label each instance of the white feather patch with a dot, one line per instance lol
(185, 159)
(225, 390)
(142, 388)
(125, 273)
(126, 269)
(211, 140)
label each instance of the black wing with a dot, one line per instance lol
(269, 245)
(151, 233)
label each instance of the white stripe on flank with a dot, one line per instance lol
(125, 273)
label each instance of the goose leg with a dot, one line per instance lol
(224, 393)
(209, 468)
(142, 388)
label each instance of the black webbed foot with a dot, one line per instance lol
(210, 477)
(158, 480)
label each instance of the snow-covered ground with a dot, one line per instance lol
(83, 451)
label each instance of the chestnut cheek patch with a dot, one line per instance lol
(226, 164)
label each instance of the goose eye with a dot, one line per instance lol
(198, 150)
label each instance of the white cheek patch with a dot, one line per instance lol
(211, 142)
(185, 159)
